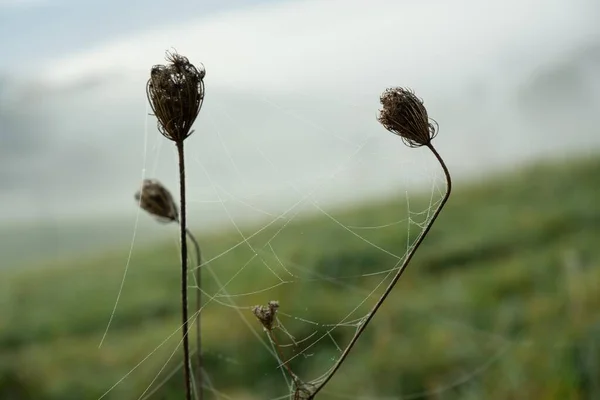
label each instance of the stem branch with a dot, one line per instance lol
(184, 257)
(198, 304)
(391, 285)
(282, 357)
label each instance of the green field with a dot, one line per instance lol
(501, 302)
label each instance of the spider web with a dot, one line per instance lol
(326, 286)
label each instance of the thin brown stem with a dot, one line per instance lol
(282, 357)
(184, 257)
(391, 285)
(198, 304)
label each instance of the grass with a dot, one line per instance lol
(501, 302)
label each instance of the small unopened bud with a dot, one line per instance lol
(154, 198)
(404, 114)
(266, 314)
(176, 93)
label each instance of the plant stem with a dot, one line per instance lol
(184, 303)
(282, 357)
(198, 304)
(391, 285)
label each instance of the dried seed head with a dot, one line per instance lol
(404, 115)
(176, 92)
(157, 200)
(266, 314)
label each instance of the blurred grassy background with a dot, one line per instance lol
(501, 302)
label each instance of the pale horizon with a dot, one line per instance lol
(292, 95)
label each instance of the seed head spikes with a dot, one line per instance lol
(404, 114)
(176, 94)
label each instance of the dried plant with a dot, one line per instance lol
(176, 94)
(157, 200)
(405, 115)
(267, 316)
(154, 198)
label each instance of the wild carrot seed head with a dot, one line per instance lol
(176, 93)
(266, 314)
(405, 115)
(154, 198)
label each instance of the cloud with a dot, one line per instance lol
(292, 92)
(345, 44)
(21, 3)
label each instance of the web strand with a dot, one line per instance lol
(301, 331)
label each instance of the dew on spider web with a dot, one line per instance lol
(325, 265)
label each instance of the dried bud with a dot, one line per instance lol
(404, 115)
(157, 200)
(266, 314)
(176, 93)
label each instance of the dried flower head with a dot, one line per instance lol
(176, 93)
(157, 200)
(266, 314)
(404, 115)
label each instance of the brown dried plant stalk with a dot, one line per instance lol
(157, 200)
(176, 94)
(267, 316)
(405, 115)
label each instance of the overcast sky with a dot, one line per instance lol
(292, 96)
(42, 30)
